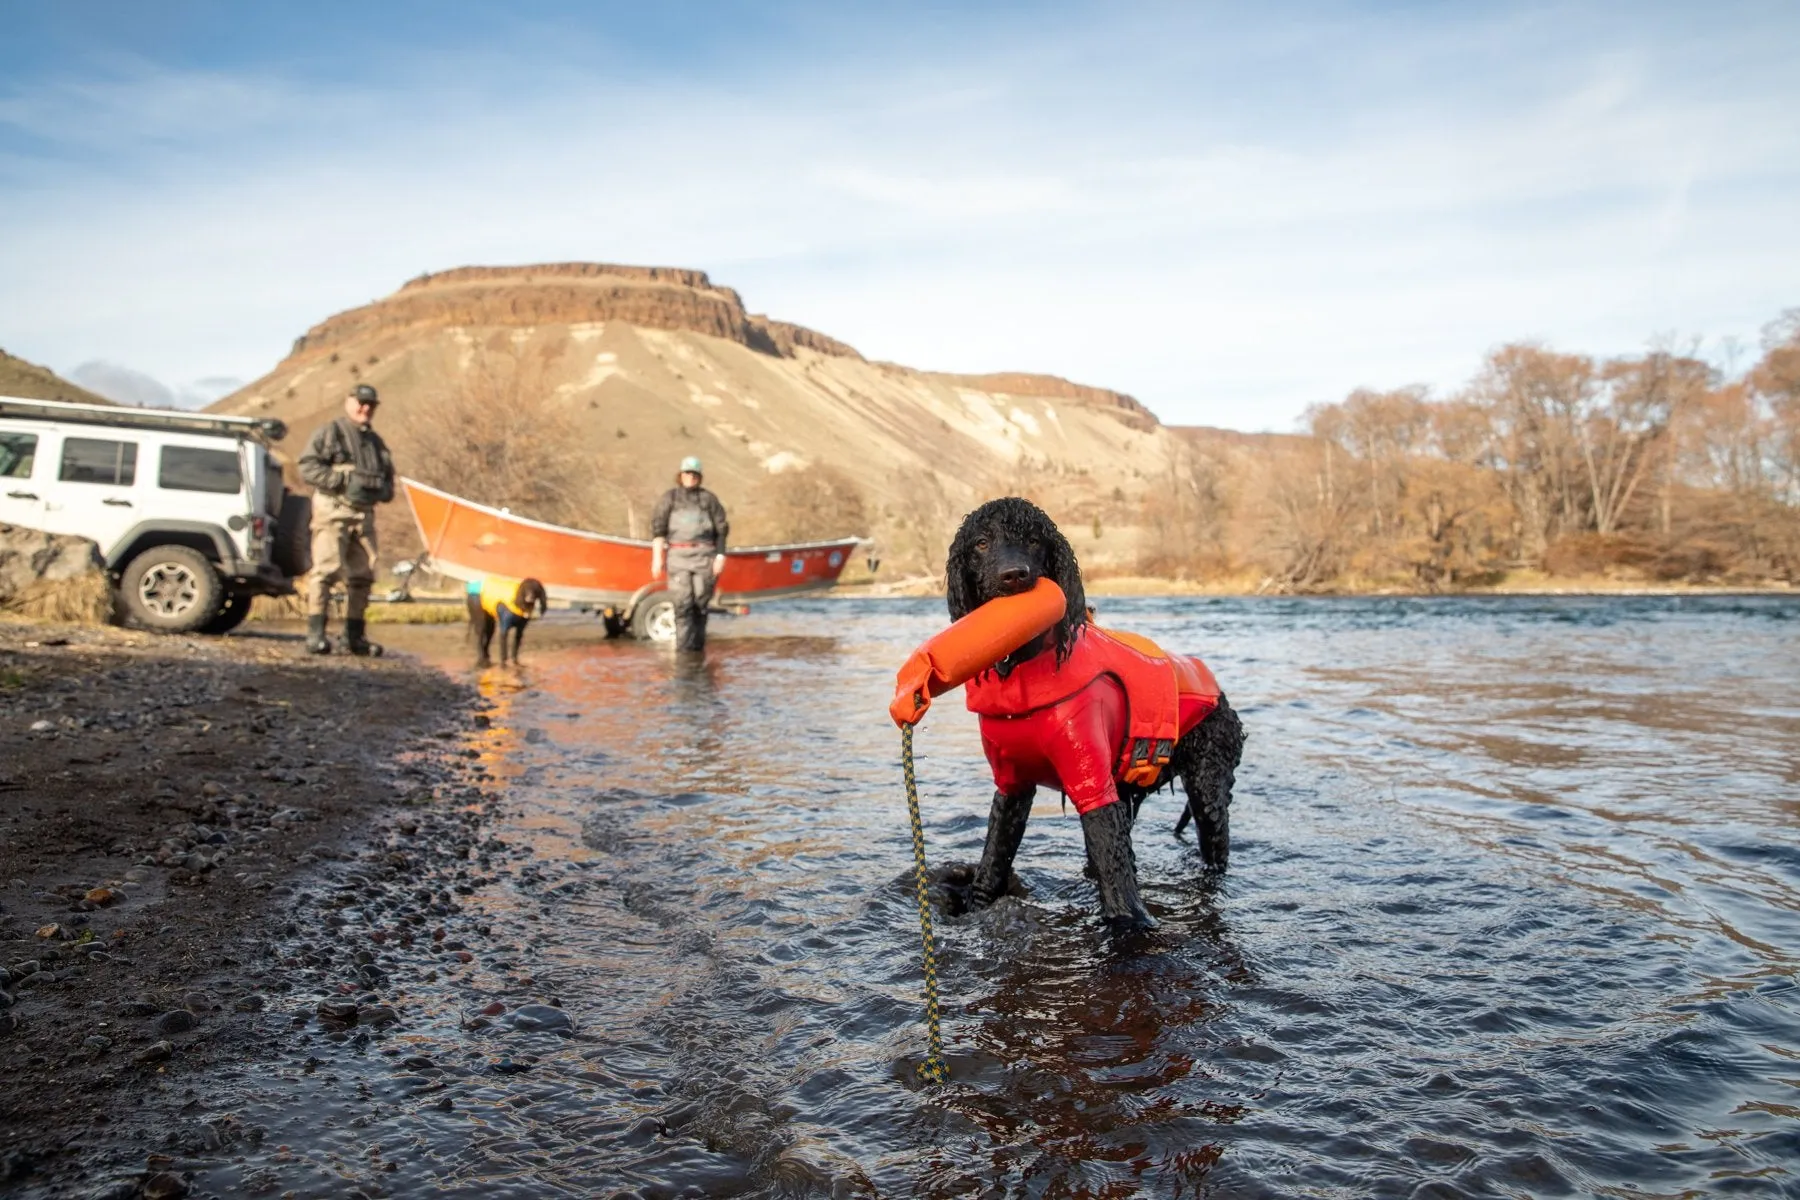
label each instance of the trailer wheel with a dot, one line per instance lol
(653, 620)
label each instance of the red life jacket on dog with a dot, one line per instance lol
(1110, 713)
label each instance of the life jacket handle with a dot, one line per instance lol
(973, 644)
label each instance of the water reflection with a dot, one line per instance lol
(1514, 909)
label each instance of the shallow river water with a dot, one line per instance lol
(1513, 910)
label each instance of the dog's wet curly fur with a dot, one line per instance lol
(1005, 547)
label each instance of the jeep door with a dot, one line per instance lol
(95, 494)
(203, 479)
(22, 468)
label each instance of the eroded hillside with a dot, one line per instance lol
(570, 391)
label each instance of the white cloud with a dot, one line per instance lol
(1229, 223)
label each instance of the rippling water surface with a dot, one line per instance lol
(1513, 910)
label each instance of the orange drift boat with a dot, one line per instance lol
(465, 540)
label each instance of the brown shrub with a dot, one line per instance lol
(83, 600)
(809, 504)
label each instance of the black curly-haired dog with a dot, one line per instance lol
(1003, 548)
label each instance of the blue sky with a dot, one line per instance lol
(1229, 213)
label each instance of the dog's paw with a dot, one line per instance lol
(1128, 924)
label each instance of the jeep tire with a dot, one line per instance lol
(172, 589)
(231, 613)
(292, 551)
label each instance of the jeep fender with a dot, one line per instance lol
(211, 540)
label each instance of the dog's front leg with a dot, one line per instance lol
(1006, 828)
(1108, 833)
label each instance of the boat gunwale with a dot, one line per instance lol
(636, 543)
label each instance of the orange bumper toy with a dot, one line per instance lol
(972, 645)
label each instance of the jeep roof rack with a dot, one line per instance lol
(168, 420)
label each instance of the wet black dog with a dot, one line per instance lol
(1005, 547)
(490, 609)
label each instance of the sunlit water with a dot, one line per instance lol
(1513, 910)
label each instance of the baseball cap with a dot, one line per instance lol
(364, 393)
(691, 463)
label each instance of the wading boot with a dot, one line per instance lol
(356, 643)
(316, 641)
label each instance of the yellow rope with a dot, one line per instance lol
(933, 1067)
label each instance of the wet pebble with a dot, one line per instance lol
(249, 1004)
(541, 1017)
(164, 1185)
(155, 1052)
(377, 1014)
(176, 1020)
(338, 1010)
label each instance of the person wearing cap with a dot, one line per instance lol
(351, 471)
(687, 530)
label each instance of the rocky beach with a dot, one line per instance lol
(182, 824)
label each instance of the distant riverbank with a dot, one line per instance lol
(1519, 583)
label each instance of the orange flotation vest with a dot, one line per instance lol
(498, 592)
(972, 645)
(1109, 713)
(1165, 695)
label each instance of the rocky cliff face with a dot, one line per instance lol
(613, 374)
(567, 293)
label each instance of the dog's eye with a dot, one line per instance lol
(981, 545)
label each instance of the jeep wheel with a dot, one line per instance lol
(172, 589)
(231, 614)
(653, 619)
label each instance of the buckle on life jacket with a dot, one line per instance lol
(1144, 760)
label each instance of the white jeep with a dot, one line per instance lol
(187, 508)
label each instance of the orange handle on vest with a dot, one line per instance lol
(972, 645)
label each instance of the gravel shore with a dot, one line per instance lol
(174, 816)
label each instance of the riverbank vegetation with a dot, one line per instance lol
(1549, 469)
(1650, 468)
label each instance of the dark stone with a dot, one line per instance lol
(541, 1017)
(176, 1020)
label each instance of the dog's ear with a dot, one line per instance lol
(1060, 565)
(959, 571)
